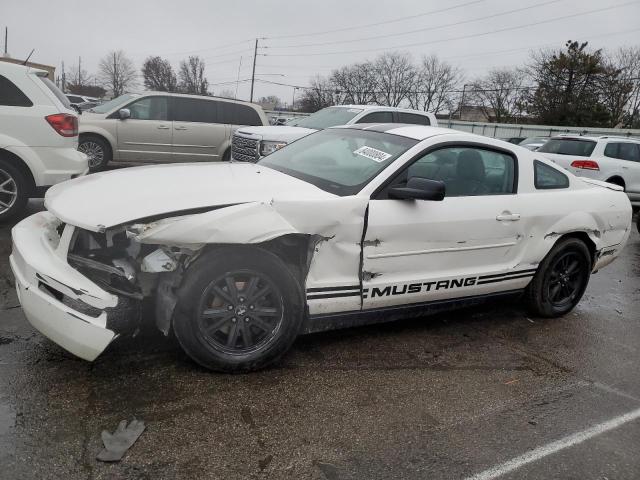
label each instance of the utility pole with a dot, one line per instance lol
(80, 71)
(464, 88)
(253, 73)
(64, 79)
(6, 36)
(238, 79)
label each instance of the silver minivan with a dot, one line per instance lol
(160, 127)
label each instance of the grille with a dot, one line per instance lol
(244, 149)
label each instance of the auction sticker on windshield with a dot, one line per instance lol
(372, 153)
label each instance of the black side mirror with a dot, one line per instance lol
(76, 108)
(419, 188)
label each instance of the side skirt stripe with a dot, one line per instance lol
(531, 270)
(513, 277)
(333, 295)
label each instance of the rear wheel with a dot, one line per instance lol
(561, 279)
(97, 150)
(14, 190)
(238, 310)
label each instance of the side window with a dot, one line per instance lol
(195, 110)
(413, 118)
(237, 114)
(629, 151)
(546, 177)
(377, 117)
(150, 108)
(611, 150)
(467, 171)
(12, 96)
(74, 99)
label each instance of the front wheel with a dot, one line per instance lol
(97, 150)
(561, 279)
(238, 310)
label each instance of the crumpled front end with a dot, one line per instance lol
(58, 300)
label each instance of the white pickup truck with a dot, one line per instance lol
(249, 144)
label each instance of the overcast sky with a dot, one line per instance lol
(222, 32)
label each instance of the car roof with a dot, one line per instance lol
(593, 138)
(19, 68)
(417, 132)
(184, 95)
(380, 107)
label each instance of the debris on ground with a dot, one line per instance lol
(117, 443)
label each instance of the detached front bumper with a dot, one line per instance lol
(57, 300)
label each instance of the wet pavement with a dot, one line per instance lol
(446, 396)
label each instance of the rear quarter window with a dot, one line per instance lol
(547, 178)
(238, 114)
(413, 118)
(11, 95)
(568, 146)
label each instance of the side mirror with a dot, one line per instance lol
(76, 108)
(124, 113)
(419, 188)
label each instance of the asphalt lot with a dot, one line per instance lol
(447, 396)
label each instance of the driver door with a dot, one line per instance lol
(421, 251)
(147, 135)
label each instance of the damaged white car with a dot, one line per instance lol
(350, 225)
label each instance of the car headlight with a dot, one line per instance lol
(269, 147)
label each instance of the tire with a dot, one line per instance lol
(14, 191)
(638, 223)
(244, 330)
(97, 150)
(561, 279)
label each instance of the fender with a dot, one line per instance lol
(25, 153)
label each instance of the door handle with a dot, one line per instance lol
(179, 128)
(508, 217)
(163, 127)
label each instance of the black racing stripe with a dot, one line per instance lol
(495, 280)
(333, 289)
(507, 274)
(333, 295)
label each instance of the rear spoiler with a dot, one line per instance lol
(599, 183)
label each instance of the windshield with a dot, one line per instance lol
(568, 146)
(110, 105)
(327, 117)
(340, 161)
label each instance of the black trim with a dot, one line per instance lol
(392, 180)
(355, 293)
(331, 289)
(331, 321)
(507, 274)
(504, 279)
(536, 165)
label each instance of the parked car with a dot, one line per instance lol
(79, 99)
(350, 225)
(250, 144)
(514, 140)
(610, 159)
(38, 137)
(533, 143)
(160, 127)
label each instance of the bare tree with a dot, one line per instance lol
(319, 95)
(227, 93)
(117, 73)
(621, 87)
(356, 83)
(395, 78)
(500, 94)
(158, 75)
(435, 85)
(192, 79)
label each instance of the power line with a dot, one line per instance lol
(429, 29)
(219, 47)
(385, 22)
(473, 35)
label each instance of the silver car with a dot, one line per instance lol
(160, 127)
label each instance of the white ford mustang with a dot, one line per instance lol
(349, 225)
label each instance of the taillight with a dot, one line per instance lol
(63, 123)
(585, 164)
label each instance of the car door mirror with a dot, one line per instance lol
(124, 113)
(418, 188)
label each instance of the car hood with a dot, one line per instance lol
(103, 200)
(281, 133)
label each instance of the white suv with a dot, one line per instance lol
(38, 137)
(611, 159)
(251, 143)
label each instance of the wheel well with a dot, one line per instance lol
(20, 165)
(585, 239)
(617, 181)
